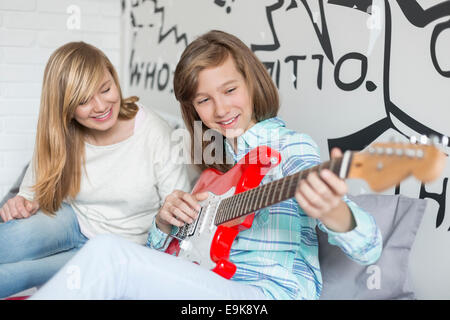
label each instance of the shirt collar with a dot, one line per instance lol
(260, 133)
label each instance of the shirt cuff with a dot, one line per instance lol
(362, 241)
(27, 195)
(157, 239)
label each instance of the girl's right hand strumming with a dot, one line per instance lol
(18, 208)
(179, 208)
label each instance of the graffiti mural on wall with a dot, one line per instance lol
(372, 70)
(418, 18)
(152, 75)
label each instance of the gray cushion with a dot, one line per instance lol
(398, 218)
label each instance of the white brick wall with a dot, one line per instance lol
(30, 30)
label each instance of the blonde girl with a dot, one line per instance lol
(101, 165)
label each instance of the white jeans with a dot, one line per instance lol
(108, 267)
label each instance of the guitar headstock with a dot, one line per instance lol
(385, 165)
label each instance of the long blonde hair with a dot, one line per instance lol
(211, 50)
(72, 76)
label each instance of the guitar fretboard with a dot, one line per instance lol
(268, 194)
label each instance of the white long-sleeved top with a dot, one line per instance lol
(126, 182)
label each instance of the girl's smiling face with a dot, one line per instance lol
(100, 113)
(223, 100)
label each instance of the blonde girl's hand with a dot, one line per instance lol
(179, 208)
(320, 196)
(18, 208)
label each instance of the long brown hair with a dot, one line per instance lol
(72, 76)
(211, 50)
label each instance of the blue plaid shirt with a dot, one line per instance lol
(279, 253)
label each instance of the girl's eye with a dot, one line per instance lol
(105, 91)
(202, 101)
(231, 90)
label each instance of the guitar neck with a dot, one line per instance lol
(274, 192)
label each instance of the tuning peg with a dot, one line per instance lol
(410, 153)
(419, 153)
(435, 140)
(389, 151)
(413, 139)
(393, 140)
(424, 139)
(444, 141)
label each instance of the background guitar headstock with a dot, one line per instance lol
(384, 165)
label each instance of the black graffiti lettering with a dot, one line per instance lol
(362, 5)
(164, 30)
(294, 60)
(150, 74)
(166, 69)
(220, 3)
(276, 42)
(319, 71)
(271, 67)
(436, 32)
(277, 74)
(419, 17)
(292, 5)
(370, 86)
(355, 84)
(439, 198)
(134, 69)
(133, 21)
(275, 70)
(323, 37)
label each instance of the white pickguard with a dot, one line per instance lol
(196, 247)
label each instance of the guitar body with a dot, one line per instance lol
(210, 245)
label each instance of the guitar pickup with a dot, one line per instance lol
(188, 230)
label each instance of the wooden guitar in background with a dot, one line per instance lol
(234, 196)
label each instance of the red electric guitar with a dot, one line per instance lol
(234, 196)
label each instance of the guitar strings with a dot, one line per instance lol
(238, 205)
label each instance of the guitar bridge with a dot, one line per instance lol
(188, 229)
